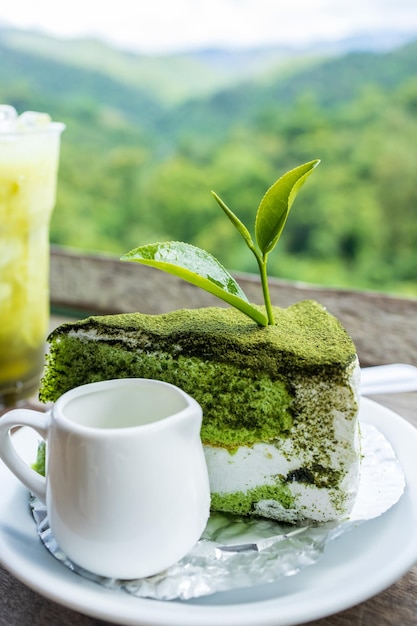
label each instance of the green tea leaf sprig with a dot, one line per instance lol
(201, 269)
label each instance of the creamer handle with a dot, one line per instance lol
(39, 422)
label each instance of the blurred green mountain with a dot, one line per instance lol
(147, 138)
(168, 78)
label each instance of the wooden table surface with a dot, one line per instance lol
(397, 605)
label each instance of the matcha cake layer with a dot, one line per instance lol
(279, 403)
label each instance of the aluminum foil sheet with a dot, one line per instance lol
(237, 552)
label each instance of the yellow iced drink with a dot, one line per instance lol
(29, 153)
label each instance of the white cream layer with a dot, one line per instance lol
(262, 464)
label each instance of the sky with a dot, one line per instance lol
(158, 26)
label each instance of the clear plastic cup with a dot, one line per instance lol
(29, 155)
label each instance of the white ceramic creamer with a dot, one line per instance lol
(126, 487)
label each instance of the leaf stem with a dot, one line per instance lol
(265, 287)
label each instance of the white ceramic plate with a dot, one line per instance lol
(353, 568)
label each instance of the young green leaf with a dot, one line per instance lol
(275, 206)
(198, 268)
(240, 227)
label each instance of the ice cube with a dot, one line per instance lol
(32, 120)
(8, 117)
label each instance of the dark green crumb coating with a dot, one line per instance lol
(239, 372)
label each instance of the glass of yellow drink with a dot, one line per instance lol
(29, 154)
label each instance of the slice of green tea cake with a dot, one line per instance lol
(280, 402)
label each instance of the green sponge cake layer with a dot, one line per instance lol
(279, 402)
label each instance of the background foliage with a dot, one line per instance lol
(138, 166)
